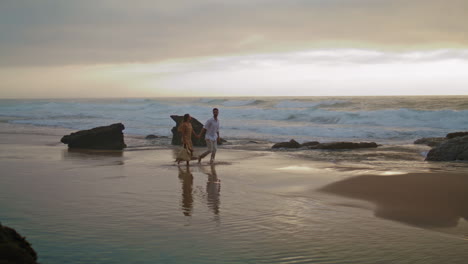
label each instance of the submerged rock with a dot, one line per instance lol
(310, 144)
(104, 137)
(151, 136)
(14, 249)
(345, 145)
(291, 144)
(450, 150)
(332, 145)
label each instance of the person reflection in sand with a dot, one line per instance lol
(186, 179)
(213, 188)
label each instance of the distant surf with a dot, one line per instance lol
(387, 119)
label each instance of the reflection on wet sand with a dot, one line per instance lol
(113, 157)
(421, 199)
(213, 188)
(186, 179)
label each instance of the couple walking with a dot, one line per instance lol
(212, 138)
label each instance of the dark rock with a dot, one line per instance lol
(105, 137)
(151, 137)
(14, 249)
(197, 127)
(291, 144)
(453, 149)
(456, 134)
(344, 145)
(432, 142)
(310, 144)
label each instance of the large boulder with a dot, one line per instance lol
(344, 145)
(291, 144)
(105, 137)
(14, 249)
(452, 149)
(197, 127)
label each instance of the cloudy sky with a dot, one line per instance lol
(151, 48)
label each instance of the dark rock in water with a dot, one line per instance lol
(344, 145)
(14, 249)
(151, 137)
(310, 144)
(433, 141)
(456, 134)
(291, 144)
(105, 137)
(197, 127)
(453, 149)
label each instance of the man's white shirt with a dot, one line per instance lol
(212, 128)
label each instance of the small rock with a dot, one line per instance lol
(345, 145)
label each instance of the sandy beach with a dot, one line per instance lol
(251, 206)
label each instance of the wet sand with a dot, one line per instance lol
(249, 207)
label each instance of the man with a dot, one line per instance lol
(212, 136)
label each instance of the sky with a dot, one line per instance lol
(153, 48)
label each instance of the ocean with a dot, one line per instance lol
(387, 120)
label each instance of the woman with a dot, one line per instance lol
(186, 130)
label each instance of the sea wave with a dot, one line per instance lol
(266, 118)
(236, 103)
(306, 104)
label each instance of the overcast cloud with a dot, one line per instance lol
(47, 32)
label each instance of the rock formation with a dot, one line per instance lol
(310, 144)
(435, 141)
(431, 142)
(105, 137)
(332, 145)
(456, 134)
(450, 150)
(291, 144)
(197, 127)
(345, 145)
(151, 136)
(14, 249)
